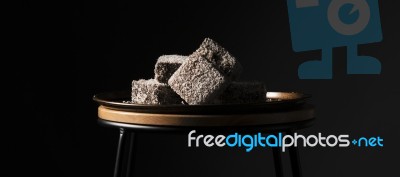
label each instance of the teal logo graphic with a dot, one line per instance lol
(325, 24)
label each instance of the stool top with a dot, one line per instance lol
(297, 114)
(280, 108)
(274, 101)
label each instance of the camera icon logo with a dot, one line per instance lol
(325, 24)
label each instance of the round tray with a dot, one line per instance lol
(276, 101)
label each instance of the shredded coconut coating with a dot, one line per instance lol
(243, 92)
(221, 58)
(197, 81)
(166, 66)
(152, 92)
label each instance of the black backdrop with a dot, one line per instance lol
(108, 44)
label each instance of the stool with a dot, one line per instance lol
(132, 122)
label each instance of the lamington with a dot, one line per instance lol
(153, 92)
(166, 66)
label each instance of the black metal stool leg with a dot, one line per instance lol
(119, 159)
(277, 161)
(295, 161)
(131, 151)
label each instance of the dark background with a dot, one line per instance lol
(66, 58)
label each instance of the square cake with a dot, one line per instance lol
(152, 92)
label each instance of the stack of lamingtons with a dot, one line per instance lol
(207, 76)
